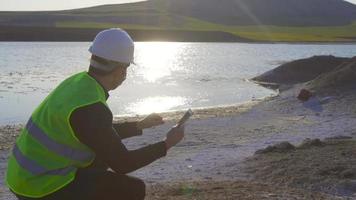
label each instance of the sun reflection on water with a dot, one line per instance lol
(156, 104)
(156, 60)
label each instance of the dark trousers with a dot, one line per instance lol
(94, 184)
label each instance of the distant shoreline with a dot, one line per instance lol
(9, 33)
(54, 34)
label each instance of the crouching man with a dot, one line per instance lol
(70, 142)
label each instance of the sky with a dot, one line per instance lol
(35, 5)
(31, 5)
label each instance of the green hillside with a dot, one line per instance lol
(259, 33)
(257, 20)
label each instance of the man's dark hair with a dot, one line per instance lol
(104, 62)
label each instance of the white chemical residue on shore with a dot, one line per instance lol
(215, 148)
(168, 75)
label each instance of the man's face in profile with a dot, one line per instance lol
(120, 75)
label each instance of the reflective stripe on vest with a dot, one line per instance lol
(35, 168)
(63, 150)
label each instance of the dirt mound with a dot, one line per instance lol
(279, 148)
(229, 190)
(339, 137)
(300, 71)
(327, 166)
(307, 143)
(343, 75)
(286, 147)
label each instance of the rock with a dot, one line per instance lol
(339, 137)
(325, 100)
(272, 195)
(348, 174)
(347, 188)
(307, 143)
(278, 148)
(347, 153)
(304, 95)
(333, 171)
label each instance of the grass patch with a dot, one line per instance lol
(259, 33)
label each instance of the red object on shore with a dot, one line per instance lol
(304, 95)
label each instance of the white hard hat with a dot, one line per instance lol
(113, 44)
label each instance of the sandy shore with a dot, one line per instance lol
(217, 158)
(215, 148)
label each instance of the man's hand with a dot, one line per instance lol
(174, 136)
(150, 121)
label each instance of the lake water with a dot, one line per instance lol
(168, 75)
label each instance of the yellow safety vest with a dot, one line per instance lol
(47, 153)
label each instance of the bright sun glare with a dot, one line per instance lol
(157, 59)
(156, 104)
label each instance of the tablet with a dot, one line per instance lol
(185, 117)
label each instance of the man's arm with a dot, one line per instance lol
(127, 129)
(93, 126)
(130, 129)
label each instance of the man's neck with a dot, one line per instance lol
(101, 81)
